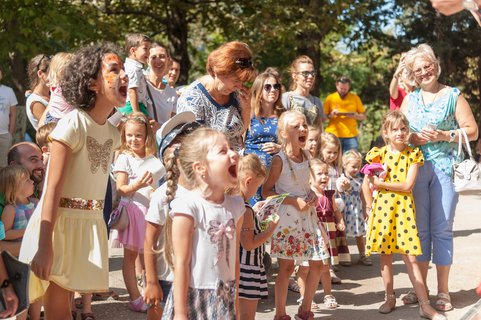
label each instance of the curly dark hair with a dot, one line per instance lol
(82, 69)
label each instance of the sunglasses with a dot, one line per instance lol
(306, 74)
(244, 63)
(268, 87)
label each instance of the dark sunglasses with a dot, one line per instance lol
(244, 63)
(268, 87)
(306, 74)
(40, 61)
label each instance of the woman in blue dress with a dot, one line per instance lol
(266, 106)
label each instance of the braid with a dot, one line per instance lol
(172, 178)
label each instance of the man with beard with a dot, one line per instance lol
(344, 109)
(29, 156)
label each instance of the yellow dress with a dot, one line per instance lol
(392, 222)
(80, 247)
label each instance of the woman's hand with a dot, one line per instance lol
(417, 139)
(271, 147)
(243, 95)
(42, 262)
(447, 7)
(11, 302)
(431, 135)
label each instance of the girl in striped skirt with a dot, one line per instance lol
(253, 279)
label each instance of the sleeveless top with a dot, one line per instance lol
(262, 130)
(441, 113)
(22, 214)
(31, 99)
(253, 257)
(294, 177)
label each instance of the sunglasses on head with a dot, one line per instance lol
(306, 74)
(40, 61)
(268, 87)
(244, 63)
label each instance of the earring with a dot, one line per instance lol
(202, 176)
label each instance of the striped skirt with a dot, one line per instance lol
(338, 248)
(253, 282)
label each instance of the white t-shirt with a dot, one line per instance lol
(211, 260)
(7, 100)
(135, 168)
(157, 214)
(31, 99)
(134, 71)
(165, 102)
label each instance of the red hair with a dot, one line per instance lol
(223, 61)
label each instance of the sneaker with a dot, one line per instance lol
(334, 279)
(345, 263)
(365, 260)
(138, 305)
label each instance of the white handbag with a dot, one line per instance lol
(467, 173)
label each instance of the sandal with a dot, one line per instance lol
(284, 317)
(365, 260)
(138, 305)
(101, 296)
(389, 305)
(410, 297)
(293, 286)
(74, 315)
(330, 302)
(334, 279)
(303, 315)
(443, 302)
(435, 316)
(87, 316)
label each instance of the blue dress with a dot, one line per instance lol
(262, 130)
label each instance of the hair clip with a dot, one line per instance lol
(244, 63)
(176, 152)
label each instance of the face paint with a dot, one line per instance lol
(114, 76)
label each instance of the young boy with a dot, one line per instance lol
(137, 47)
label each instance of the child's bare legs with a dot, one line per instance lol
(326, 280)
(301, 279)
(361, 245)
(286, 267)
(128, 272)
(417, 281)
(247, 309)
(86, 303)
(387, 278)
(57, 302)
(312, 282)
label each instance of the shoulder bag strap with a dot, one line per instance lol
(463, 136)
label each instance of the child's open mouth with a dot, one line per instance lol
(302, 139)
(233, 171)
(123, 91)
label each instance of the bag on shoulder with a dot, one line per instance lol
(466, 174)
(119, 218)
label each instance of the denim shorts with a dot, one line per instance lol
(349, 143)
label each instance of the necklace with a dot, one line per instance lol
(323, 203)
(440, 88)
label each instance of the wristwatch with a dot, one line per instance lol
(452, 135)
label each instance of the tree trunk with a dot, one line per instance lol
(177, 32)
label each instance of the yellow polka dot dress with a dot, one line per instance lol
(392, 222)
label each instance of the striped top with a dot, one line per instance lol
(253, 257)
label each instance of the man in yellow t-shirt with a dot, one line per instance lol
(344, 109)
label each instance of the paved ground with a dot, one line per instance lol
(361, 292)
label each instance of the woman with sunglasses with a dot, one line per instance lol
(435, 112)
(37, 101)
(298, 98)
(219, 99)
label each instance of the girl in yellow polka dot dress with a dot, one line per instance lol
(392, 220)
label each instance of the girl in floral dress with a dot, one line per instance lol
(297, 236)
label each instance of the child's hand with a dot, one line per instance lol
(145, 181)
(42, 262)
(153, 293)
(273, 221)
(301, 204)
(311, 198)
(341, 226)
(11, 302)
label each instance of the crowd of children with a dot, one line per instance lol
(187, 194)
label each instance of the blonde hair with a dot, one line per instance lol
(351, 155)
(424, 52)
(43, 133)
(295, 66)
(283, 121)
(391, 119)
(57, 68)
(10, 179)
(258, 89)
(139, 118)
(328, 138)
(251, 164)
(316, 162)
(194, 148)
(318, 148)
